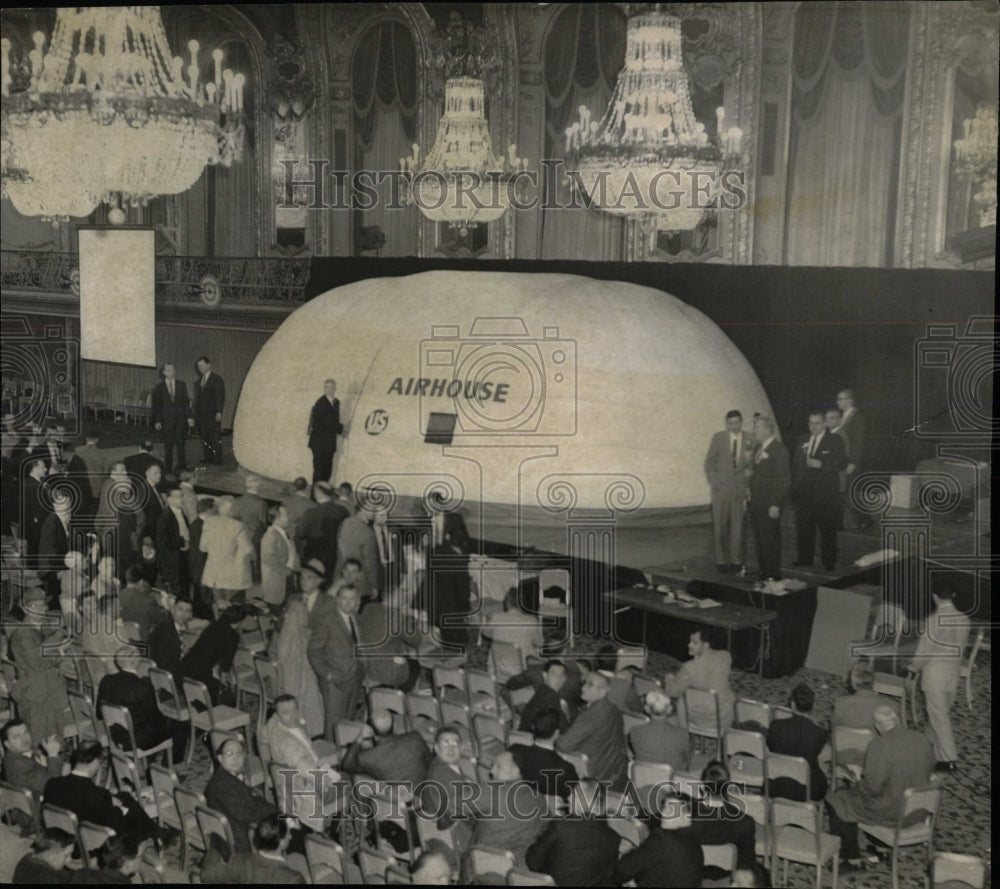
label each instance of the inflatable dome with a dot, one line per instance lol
(527, 390)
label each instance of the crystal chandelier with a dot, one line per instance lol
(976, 160)
(108, 116)
(650, 156)
(461, 181)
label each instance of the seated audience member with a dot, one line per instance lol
(620, 691)
(670, 856)
(599, 732)
(717, 820)
(390, 639)
(897, 759)
(547, 696)
(165, 644)
(290, 746)
(533, 677)
(659, 740)
(431, 869)
(47, 862)
(580, 849)
(800, 736)
(79, 793)
(118, 860)
(514, 625)
(266, 864)
(384, 756)
(544, 769)
(139, 604)
(857, 710)
(25, 766)
(214, 650)
(227, 793)
(126, 689)
(709, 669)
(445, 791)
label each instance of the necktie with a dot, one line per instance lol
(354, 629)
(734, 452)
(812, 446)
(170, 388)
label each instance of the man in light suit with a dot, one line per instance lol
(332, 651)
(938, 659)
(278, 558)
(599, 732)
(226, 541)
(769, 482)
(725, 467)
(852, 428)
(206, 406)
(171, 408)
(816, 492)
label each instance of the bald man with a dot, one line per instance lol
(599, 732)
(387, 757)
(324, 427)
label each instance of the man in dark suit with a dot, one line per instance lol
(126, 689)
(318, 528)
(356, 539)
(447, 591)
(392, 757)
(208, 400)
(540, 765)
(580, 849)
(138, 463)
(173, 539)
(79, 793)
(815, 492)
(725, 467)
(445, 787)
(265, 866)
(670, 856)
(171, 407)
(658, 740)
(227, 793)
(547, 697)
(117, 505)
(165, 638)
(324, 427)
(53, 544)
(139, 604)
(150, 500)
(598, 731)
(332, 652)
(769, 483)
(23, 764)
(852, 428)
(33, 504)
(799, 736)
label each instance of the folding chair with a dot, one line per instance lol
(164, 783)
(214, 824)
(428, 833)
(701, 706)
(506, 660)
(373, 864)
(777, 765)
(484, 695)
(914, 827)
(758, 807)
(745, 753)
(450, 683)
(187, 802)
(552, 607)
(345, 733)
(515, 736)
(965, 672)
(631, 720)
(395, 875)
(579, 761)
(92, 837)
(517, 876)
(797, 835)
(247, 681)
(950, 867)
(644, 777)
(325, 859)
(207, 718)
(748, 713)
(116, 717)
(722, 857)
(848, 751)
(168, 699)
(389, 805)
(127, 780)
(20, 799)
(424, 714)
(64, 819)
(489, 862)
(490, 734)
(631, 658)
(88, 727)
(267, 676)
(393, 700)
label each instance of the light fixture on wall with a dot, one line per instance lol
(649, 156)
(107, 115)
(976, 160)
(461, 181)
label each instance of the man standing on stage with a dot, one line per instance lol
(852, 428)
(816, 492)
(725, 467)
(769, 482)
(208, 402)
(170, 412)
(324, 427)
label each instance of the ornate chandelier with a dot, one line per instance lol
(461, 181)
(650, 156)
(107, 116)
(976, 160)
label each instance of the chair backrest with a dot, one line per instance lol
(488, 728)
(516, 736)
(631, 720)
(87, 726)
(633, 658)
(393, 700)
(643, 685)
(739, 745)
(20, 799)
(187, 803)
(455, 712)
(325, 859)
(647, 774)
(346, 732)
(281, 785)
(64, 819)
(485, 860)
(749, 711)
(198, 699)
(890, 619)
(807, 816)
(722, 856)
(373, 863)
(794, 767)
(579, 761)
(949, 867)
(428, 832)
(506, 660)
(395, 875)
(844, 739)
(214, 824)
(517, 876)
(699, 704)
(164, 783)
(483, 690)
(92, 837)
(756, 806)
(126, 774)
(131, 630)
(267, 673)
(779, 711)
(422, 707)
(924, 800)
(447, 678)
(120, 730)
(550, 577)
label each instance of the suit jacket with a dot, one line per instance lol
(331, 649)
(798, 736)
(251, 509)
(858, 710)
(403, 758)
(247, 868)
(771, 477)
(140, 605)
(544, 769)
(215, 647)
(356, 540)
(576, 852)
(152, 509)
(168, 548)
(165, 645)
(53, 543)
(196, 558)
(128, 690)
(666, 858)
(91, 456)
(317, 530)
(386, 645)
(324, 424)
(171, 413)
(600, 733)
(229, 549)
(511, 820)
(89, 801)
(25, 771)
(853, 430)
(659, 741)
(543, 699)
(208, 399)
(274, 570)
(719, 468)
(137, 464)
(35, 513)
(242, 806)
(819, 486)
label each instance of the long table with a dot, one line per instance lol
(725, 615)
